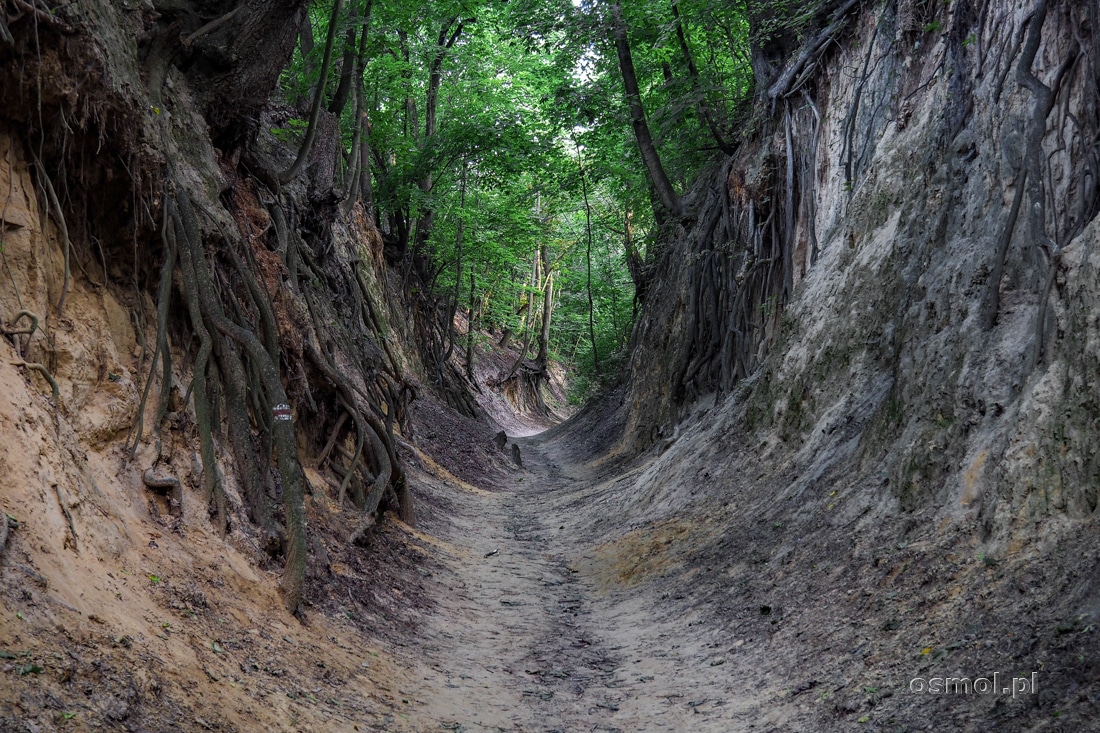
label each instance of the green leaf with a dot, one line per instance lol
(30, 668)
(154, 579)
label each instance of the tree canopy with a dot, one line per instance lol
(520, 155)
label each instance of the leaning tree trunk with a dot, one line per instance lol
(543, 358)
(588, 270)
(648, 150)
(706, 115)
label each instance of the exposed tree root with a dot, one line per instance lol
(360, 440)
(1029, 180)
(70, 541)
(41, 369)
(168, 485)
(183, 235)
(54, 206)
(236, 316)
(29, 330)
(388, 468)
(6, 523)
(160, 349)
(323, 456)
(800, 69)
(205, 308)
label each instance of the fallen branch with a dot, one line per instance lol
(211, 26)
(411, 449)
(360, 532)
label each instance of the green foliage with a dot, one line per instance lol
(294, 129)
(529, 99)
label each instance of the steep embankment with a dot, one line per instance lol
(856, 448)
(204, 385)
(866, 377)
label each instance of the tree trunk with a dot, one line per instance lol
(705, 114)
(318, 99)
(359, 184)
(635, 263)
(431, 112)
(588, 262)
(453, 310)
(347, 62)
(260, 41)
(543, 358)
(471, 322)
(528, 307)
(305, 47)
(648, 150)
(411, 121)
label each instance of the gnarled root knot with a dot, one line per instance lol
(169, 486)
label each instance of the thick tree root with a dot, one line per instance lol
(54, 205)
(169, 486)
(184, 234)
(28, 330)
(160, 349)
(6, 524)
(45, 374)
(199, 284)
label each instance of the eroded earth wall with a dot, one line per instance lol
(910, 238)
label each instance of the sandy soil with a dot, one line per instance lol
(678, 591)
(689, 590)
(526, 641)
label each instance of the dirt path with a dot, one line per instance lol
(528, 641)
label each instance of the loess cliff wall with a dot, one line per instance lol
(898, 266)
(864, 380)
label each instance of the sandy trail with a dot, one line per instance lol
(528, 641)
